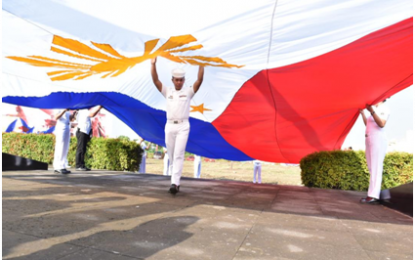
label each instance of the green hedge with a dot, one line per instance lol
(102, 153)
(347, 170)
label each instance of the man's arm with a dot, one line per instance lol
(95, 111)
(147, 146)
(363, 115)
(199, 80)
(154, 75)
(379, 121)
(59, 115)
(73, 116)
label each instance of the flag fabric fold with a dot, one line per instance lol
(282, 78)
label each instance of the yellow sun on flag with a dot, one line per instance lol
(109, 63)
(200, 108)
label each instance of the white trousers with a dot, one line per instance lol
(62, 138)
(143, 165)
(176, 140)
(257, 171)
(197, 168)
(376, 146)
(166, 165)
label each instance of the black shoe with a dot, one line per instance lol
(174, 189)
(84, 169)
(63, 171)
(369, 200)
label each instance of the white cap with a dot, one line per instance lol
(178, 73)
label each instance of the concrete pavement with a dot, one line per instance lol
(118, 215)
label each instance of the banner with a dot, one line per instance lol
(282, 78)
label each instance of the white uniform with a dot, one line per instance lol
(62, 136)
(143, 158)
(177, 127)
(376, 146)
(197, 166)
(257, 171)
(84, 121)
(166, 162)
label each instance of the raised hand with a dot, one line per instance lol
(369, 108)
(154, 75)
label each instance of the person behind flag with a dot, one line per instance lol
(62, 138)
(143, 146)
(257, 171)
(73, 125)
(197, 166)
(178, 109)
(376, 146)
(166, 162)
(83, 135)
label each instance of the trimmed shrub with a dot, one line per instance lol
(347, 170)
(102, 153)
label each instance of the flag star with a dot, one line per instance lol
(200, 108)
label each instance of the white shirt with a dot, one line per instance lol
(84, 121)
(63, 123)
(178, 102)
(144, 147)
(371, 127)
(257, 162)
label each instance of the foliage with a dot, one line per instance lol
(347, 170)
(102, 153)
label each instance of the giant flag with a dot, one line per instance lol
(283, 78)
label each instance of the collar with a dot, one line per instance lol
(175, 90)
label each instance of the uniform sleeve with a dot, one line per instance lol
(384, 113)
(164, 90)
(78, 117)
(82, 115)
(191, 91)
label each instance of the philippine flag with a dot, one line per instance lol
(19, 126)
(282, 78)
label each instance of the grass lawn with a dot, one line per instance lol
(241, 171)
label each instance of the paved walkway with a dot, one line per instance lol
(115, 215)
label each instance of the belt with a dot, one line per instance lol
(175, 121)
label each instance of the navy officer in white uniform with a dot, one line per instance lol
(62, 139)
(177, 127)
(376, 147)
